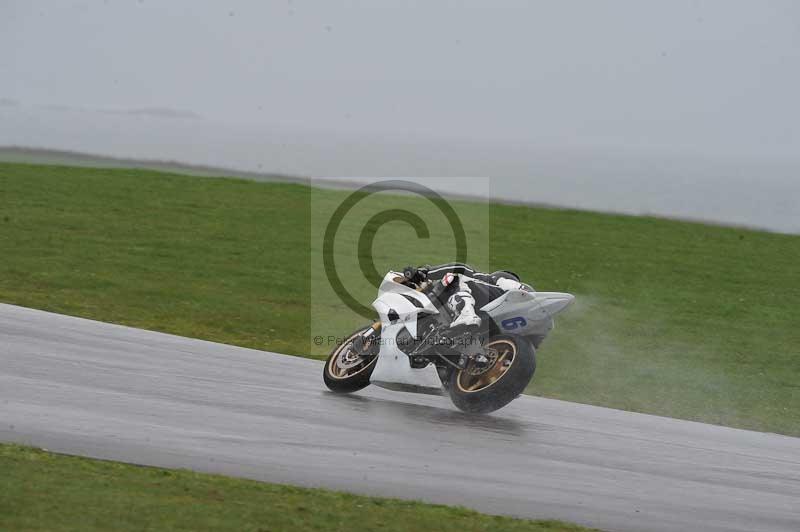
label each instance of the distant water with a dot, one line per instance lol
(762, 194)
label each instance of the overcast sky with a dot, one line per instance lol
(681, 80)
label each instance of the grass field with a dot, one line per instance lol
(672, 318)
(42, 491)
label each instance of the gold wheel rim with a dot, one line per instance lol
(339, 373)
(506, 355)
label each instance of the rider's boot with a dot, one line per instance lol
(463, 306)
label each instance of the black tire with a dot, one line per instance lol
(507, 387)
(351, 382)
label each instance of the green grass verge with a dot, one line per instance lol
(672, 318)
(43, 491)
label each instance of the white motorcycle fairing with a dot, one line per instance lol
(517, 312)
(527, 313)
(393, 369)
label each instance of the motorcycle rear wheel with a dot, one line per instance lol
(345, 371)
(480, 390)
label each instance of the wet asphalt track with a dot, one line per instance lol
(88, 388)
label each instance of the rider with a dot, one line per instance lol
(459, 282)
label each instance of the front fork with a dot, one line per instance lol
(362, 340)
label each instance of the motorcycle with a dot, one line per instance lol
(411, 347)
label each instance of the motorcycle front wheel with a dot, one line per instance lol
(484, 388)
(346, 370)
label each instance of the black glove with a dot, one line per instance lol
(415, 275)
(410, 273)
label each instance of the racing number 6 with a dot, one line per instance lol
(513, 323)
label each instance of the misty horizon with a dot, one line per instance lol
(677, 109)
